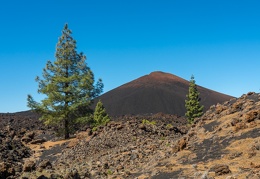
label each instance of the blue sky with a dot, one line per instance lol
(218, 41)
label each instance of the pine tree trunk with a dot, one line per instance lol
(66, 122)
(66, 129)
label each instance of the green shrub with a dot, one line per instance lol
(94, 129)
(169, 126)
(162, 138)
(109, 172)
(145, 121)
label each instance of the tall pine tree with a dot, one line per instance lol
(193, 107)
(68, 85)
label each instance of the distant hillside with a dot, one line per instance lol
(154, 93)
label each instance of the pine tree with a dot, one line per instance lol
(193, 107)
(68, 85)
(100, 115)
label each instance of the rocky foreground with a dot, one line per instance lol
(223, 143)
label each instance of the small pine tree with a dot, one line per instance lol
(68, 85)
(100, 115)
(193, 107)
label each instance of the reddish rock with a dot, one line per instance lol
(252, 115)
(182, 144)
(240, 126)
(234, 121)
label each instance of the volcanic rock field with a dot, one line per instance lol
(141, 142)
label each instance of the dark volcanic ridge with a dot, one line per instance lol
(157, 92)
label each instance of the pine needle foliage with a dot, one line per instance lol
(100, 116)
(192, 104)
(68, 86)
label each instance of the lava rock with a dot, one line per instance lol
(45, 164)
(6, 170)
(220, 169)
(29, 166)
(38, 141)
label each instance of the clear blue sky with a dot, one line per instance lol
(218, 41)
